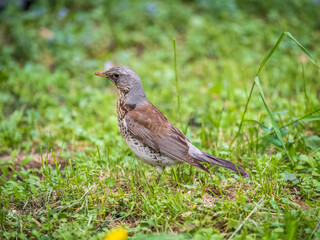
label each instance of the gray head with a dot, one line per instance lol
(127, 82)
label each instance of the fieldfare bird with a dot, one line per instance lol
(148, 133)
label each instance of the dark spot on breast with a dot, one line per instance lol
(131, 106)
(122, 107)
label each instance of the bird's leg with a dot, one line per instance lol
(159, 170)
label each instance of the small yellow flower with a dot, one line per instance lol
(117, 234)
(194, 206)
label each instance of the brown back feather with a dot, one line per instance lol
(151, 127)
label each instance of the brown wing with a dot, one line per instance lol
(149, 125)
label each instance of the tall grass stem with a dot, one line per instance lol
(176, 81)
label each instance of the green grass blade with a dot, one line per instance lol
(302, 48)
(304, 118)
(176, 81)
(304, 86)
(273, 121)
(244, 113)
(277, 45)
(270, 53)
(261, 67)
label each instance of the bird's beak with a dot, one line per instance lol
(101, 74)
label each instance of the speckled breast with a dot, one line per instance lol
(142, 151)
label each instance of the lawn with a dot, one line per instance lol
(239, 78)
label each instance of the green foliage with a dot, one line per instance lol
(65, 171)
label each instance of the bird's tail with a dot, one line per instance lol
(212, 160)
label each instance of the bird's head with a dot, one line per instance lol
(123, 77)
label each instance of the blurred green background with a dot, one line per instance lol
(50, 50)
(51, 103)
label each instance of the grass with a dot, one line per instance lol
(65, 171)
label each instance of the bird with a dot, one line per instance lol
(149, 134)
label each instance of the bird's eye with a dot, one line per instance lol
(116, 75)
